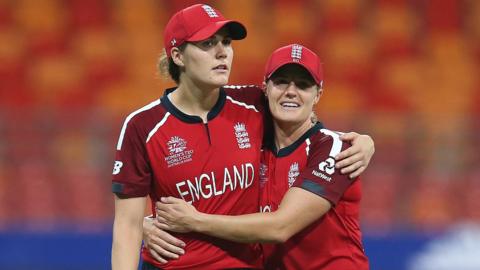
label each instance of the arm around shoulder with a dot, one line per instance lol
(299, 208)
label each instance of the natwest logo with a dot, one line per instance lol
(325, 169)
(178, 152)
(327, 166)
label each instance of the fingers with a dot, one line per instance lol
(160, 218)
(352, 169)
(165, 250)
(349, 160)
(357, 172)
(164, 212)
(344, 154)
(163, 222)
(166, 203)
(171, 200)
(165, 245)
(162, 250)
(171, 250)
(350, 136)
(170, 239)
(164, 226)
(156, 256)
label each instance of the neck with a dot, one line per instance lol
(193, 99)
(287, 133)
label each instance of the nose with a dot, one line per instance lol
(221, 51)
(291, 90)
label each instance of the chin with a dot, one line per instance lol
(287, 120)
(221, 83)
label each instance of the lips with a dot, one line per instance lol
(286, 104)
(220, 67)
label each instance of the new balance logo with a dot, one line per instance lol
(116, 167)
(296, 53)
(210, 11)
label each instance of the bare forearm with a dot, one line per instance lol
(126, 247)
(127, 232)
(298, 209)
(258, 227)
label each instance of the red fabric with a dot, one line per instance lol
(214, 166)
(333, 241)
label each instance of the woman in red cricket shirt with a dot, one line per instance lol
(310, 209)
(199, 142)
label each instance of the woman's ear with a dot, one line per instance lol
(264, 88)
(177, 56)
(318, 95)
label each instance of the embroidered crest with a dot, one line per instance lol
(292, 174)
(210, 11)
(296, 53)
(242, 136)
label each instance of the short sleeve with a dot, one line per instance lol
(320, 175)
(248, 94)
(132, 174)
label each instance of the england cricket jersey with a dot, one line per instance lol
(333, 241)
(214, 166)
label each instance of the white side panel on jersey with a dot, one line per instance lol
(307, 141)
(337, 143)
(251, 107)
(157, 126)
(130, 116)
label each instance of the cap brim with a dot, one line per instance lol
(281, 64)
(235, 29)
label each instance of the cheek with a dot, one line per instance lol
(230, 57)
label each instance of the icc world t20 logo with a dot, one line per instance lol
(176, 145)
(178, 152)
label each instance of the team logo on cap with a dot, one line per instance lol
(173, 42)
(210, 11)
(296, 53)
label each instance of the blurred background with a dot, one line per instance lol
(403, 71)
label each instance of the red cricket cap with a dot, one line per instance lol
(198, 22)
(295, 54)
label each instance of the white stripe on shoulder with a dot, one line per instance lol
(337, 143)
(239, 86)
(130, 116)
(307, 141)
(251, 107)
(157, 126)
